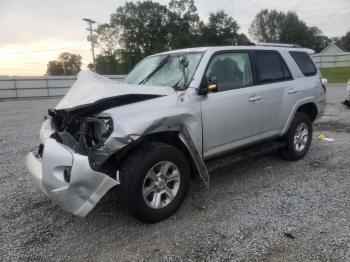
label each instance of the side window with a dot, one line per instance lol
(271, 67)
(232, 71)
(286, 72)
(304, 62)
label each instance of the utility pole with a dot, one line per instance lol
(91, 38)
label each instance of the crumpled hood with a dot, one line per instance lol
(91, 87)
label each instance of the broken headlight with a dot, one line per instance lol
(94, 131)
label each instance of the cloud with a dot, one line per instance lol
(32, 20)
(36, 24)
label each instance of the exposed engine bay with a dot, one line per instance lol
(82, 134)
(83, 130)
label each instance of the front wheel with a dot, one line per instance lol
(298, 137)
(156, 178)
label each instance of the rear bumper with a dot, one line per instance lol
(66, 177)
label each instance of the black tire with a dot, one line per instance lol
(290, 152)
(133, 174)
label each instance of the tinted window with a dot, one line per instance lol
(286, 72)
(232, 70)
(271, 67)
(304, 62)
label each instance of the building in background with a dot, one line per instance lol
(332, 56)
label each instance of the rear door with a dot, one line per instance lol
(232, 116)
(277, 89)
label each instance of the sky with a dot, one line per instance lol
(34, 32)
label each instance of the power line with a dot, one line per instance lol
(44, 50)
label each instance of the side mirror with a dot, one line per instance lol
(210, 86)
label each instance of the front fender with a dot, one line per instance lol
(169, 114)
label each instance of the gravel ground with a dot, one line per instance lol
(262, 209)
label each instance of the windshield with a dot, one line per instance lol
(166, 70)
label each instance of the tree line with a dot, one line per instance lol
(139, 29)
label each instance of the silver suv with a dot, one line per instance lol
(175, 111)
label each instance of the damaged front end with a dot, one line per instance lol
(86, 135)
(69, 165)
(66, 167)
(89, 132)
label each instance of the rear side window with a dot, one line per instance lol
(271, 67)
(304, 62)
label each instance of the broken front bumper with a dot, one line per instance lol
(66, 177)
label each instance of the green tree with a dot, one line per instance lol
(66, 64)
(71, 63)
(109, 65)
(266, 26)
(280, 27)
(344, 42)
(107, 39)
(221, 29)
(142, 28)
(54, 68)
(183, 24)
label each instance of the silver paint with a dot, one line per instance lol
(207, 125)
(86, 186)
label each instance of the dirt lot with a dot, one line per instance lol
(263, 209)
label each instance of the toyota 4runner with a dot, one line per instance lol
(175, 111)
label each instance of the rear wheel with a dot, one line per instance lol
(298, 137)
(155, 178)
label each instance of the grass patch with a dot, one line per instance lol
(336, 74)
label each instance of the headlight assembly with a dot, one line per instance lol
(94, 131)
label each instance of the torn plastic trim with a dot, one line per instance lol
(185, 137)
(86, 186)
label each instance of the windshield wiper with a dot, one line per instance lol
(183, 61)
(178, 82)
(165, 59)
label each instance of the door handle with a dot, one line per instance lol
(254, 98)
(292, 91)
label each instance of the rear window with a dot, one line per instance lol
(271, 67)
(304, 62)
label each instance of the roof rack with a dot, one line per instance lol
(279, 45)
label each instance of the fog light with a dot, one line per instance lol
(66, 174)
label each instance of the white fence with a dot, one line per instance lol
(326, 61)
(40, 86)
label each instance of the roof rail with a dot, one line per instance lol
(278, 45)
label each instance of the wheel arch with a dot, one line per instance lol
(173, 138)
(307, 106)
(309, 109)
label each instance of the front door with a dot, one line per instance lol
(231, 116)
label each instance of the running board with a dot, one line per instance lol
(243, 154)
